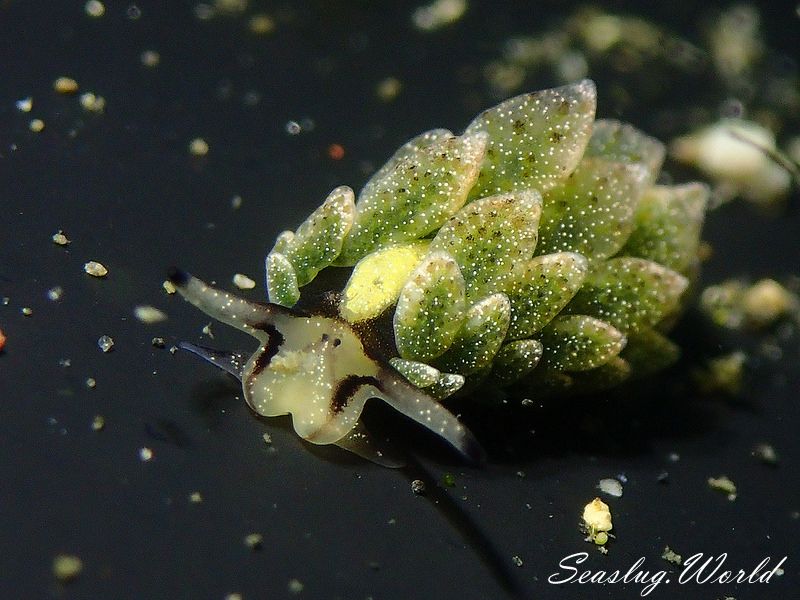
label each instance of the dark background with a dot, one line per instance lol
(126, 191)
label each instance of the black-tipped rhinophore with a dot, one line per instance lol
(177, 277)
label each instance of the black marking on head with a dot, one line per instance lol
(274, 344)
(178, 277)
(347, 387)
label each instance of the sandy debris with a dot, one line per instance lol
(95, 269)
(24, 104)
(61, 239)
(105, 343)
(92, 102)
(254, 541)
(65, 85)
(36, 125)
(91, 383)
(418, 487)
(169, 287)
(671, 556)
(388, 89)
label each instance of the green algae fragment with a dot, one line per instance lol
(516, 359)
(430, 308)
(420, 187)
(629, 293)
(621, 142)
(281, 280)
(649, 351)
(318, 240)
(480, 337)
(535, 140)
(489, 236)
(667, 226)
(420, 374)
(579, 343)
(377, 279)
(592, 213)
(540, 288)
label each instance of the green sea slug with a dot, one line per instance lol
(534, 252)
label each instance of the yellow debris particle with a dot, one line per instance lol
(36, 125)
(60, 239)
(95, 269)
(95, 8)
(767, 301)
(261, 24)
(198, 147)
(671, 556)
(723, 484)
(195, 497)
(169, 287)
(67, 567)
(388, 89)
(145, 454)
(92, 103)
(597, 521)
(254, 541)
(98, 423)
(65, 85)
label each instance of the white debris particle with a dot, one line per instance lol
(67, 567)
(27, 311)
(145, 454)
(98, 423)
(149, 314)
(207, 331)
(94, 8)
(25, 104)
(766, 454)
(236, 202)
(516, 560)
(36, 125)
(295, 586)
(243, 282)
(92, 103)
(267, 438)
(105, 343)
(438, 14)
(64, 362)
(65, 85)
(169, 287)
(158, 342)
(234, 596)
(610, 486)
(254, 541)
(60, 239)
(195, 497)
(55, 293)
(91, 383)
(150, 58)
(293, 128)
(198, 147)
(95, 269)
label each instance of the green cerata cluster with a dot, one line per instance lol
(535, 249)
